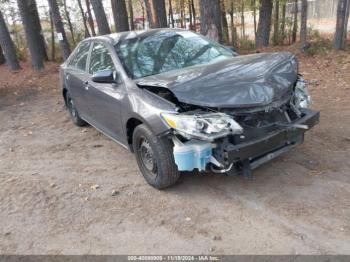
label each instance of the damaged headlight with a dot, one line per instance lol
(302, 98)
(203, 126)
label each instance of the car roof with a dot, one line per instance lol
(116, 37)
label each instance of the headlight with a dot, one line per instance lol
(302, 98)
(203, 126)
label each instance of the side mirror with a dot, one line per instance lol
(105, 76)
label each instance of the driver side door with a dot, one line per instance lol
(104, 99)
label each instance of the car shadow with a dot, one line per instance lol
(272, 175)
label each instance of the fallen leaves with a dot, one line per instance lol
(95, 187)
(115, 192)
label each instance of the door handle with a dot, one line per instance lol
(86, 85)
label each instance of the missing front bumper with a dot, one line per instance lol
(230, 158)
(251, 154)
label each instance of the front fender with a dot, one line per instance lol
(146, 107)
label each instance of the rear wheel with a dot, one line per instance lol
(155, 158)
(73, 111)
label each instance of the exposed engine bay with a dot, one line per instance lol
(233, 140)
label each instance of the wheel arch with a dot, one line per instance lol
(64, 94)
(131, 124)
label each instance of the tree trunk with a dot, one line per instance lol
(242, 19)
(42, 47)
(53, 46)
(233, 28)
(2, 57)
(264, 25)
(86, 30)
(276, 23)
(211, 19)
(340, 25)
(295, 22)
(224, 22)
(254, 16)
(171, 15)
(283, 23)
(151, 16)
(66, 12)
(143, 14)
(194, 15)
(32, 32)
(156, 13)
(303, 25)
(61, 34)
(190, 13)
(346, 23)
(8, 48)
(161, 11)
(100, 15)
(182, 11)
(131, 13)
(120, 15)
(13, 14)
(89, 18)
(34, 20)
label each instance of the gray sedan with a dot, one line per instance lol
(181, 102)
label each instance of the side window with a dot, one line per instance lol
(100, 59)
(80, 58)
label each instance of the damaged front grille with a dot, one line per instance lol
(261, 123)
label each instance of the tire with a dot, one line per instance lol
(155, 158)
(73, 112)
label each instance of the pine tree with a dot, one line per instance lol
(194, 15)
(100, 16)
(211, 19)
(224, 22)
(303, 25)
(295, 22)
(276, 23)
(7, 47)
(57, 21)
(171, 14)
(70, 26)
(86, 30)
(89, 18)
(340, 29)
(264, 25)
(156, 13)
(32, 32)
(120, 15)
(131, 14)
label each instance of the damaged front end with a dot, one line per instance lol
(238, 140)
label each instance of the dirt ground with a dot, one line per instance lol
(50, 202)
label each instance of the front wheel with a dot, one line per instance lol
(155, 158)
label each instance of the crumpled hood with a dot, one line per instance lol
(243, 81)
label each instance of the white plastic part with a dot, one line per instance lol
(193, 154)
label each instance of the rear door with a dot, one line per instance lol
(77, 77)
(104, 99)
